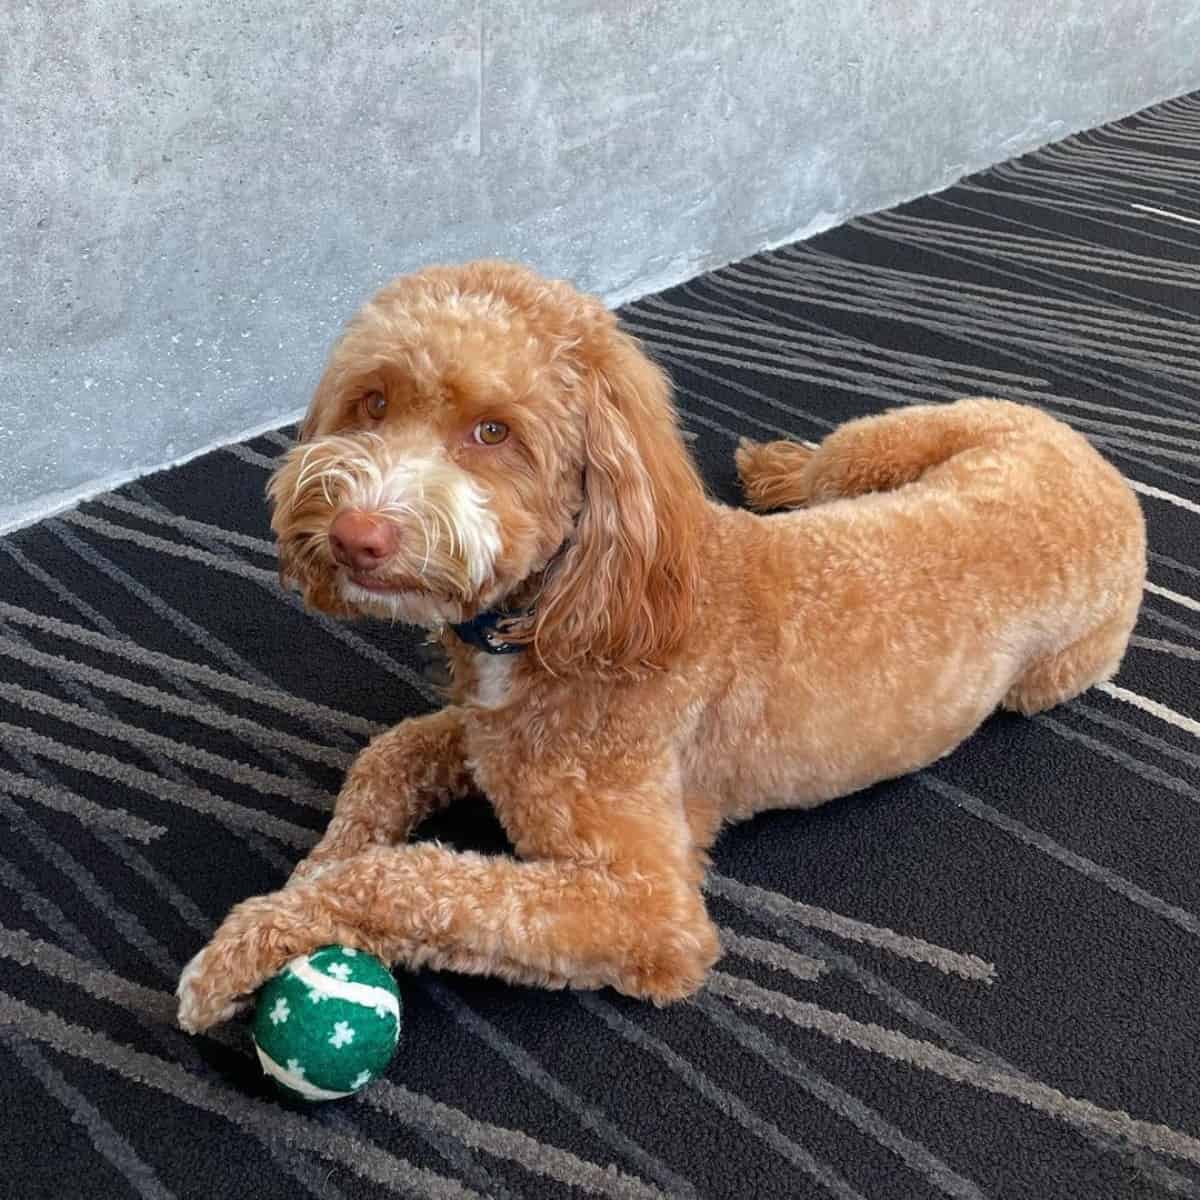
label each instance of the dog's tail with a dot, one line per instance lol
(873, 454)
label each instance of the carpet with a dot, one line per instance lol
(982, 980)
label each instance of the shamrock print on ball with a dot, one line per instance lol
(328, 1023)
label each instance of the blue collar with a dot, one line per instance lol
(480, 632)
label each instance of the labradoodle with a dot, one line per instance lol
(489, 456)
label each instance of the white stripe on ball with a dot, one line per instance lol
(295, 1081)
(356, 993)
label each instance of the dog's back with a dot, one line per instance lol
(949, 559)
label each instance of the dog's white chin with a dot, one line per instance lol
(432, 497)
(411, 608)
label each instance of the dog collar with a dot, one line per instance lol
(480, 632)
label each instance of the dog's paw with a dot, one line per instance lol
(674, 967)
(202, 1002)
(254, 942)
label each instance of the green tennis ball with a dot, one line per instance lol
(328, 1023)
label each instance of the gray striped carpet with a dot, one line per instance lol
(981, 981)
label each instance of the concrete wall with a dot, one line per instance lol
(194, 195)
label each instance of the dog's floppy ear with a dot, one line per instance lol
(281, 489)
(325, 394)
(623, 592)
(309, 423)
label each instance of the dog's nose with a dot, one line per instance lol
(361, 540)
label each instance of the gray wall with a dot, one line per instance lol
(195, 195)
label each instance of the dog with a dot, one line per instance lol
(488, 455)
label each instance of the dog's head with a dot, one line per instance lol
(482, 436)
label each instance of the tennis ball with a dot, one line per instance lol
(328, 1023)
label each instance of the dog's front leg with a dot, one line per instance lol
(641, 929)
(400, 778)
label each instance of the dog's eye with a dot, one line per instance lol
(374, 405)
(490, 433)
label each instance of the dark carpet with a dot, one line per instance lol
(983, 981)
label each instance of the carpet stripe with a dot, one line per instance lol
(1135, 734)
(1175, 597)
(1164, 712)
(160, 516)
(1187, 653)
(268, 580)
(70, 869)
(1117, 884)
(722, 1099)
(539, 1158)
(916, 1157)
(318, 715)
(1145, 489)
(771, 954)
(927, 1057)
(159, 1008)
(1145, 1164)
(1149, 613)
(365, 1160)
(196, 798)
(208, 715)
(140, 1177)
(170, 748)
(86, 811)
(211, 645)
(1145, 770)
(760, 900)
(526, 1067)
